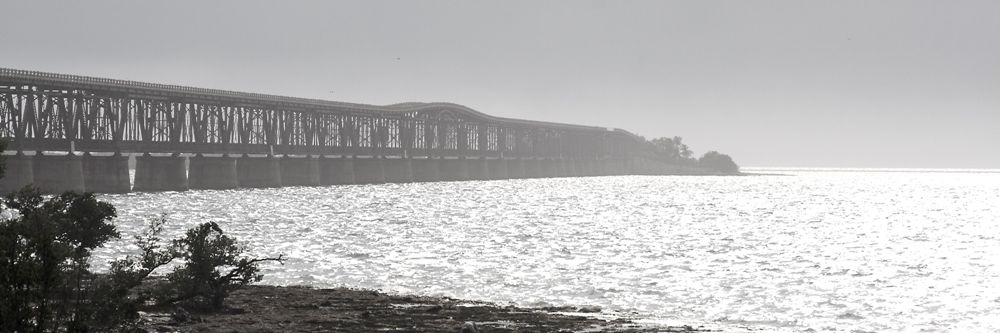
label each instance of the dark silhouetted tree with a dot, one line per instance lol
(214, 266)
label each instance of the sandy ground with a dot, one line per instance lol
(301, 309)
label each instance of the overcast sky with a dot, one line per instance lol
(772, 83)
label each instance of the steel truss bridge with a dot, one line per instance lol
(42, 113)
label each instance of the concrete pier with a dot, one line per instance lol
(564, 167)
(58, 173)
(573, 167)
(585, 167)
(299, 171)
(106, 174)
(532, 168)
(478, 168)
(212, 173)
(336, 171)
(515, 168)
(612, 167)
(397, 170)
(160, 173)
(369, 171)
(599, 168)
(258, 172)
(454, 169)
(426, 169)
(631, 166)
(550, 168)
(497, 168)
(18, 173)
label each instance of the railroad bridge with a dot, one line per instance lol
(69, 132)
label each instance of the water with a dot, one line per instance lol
(814, 251)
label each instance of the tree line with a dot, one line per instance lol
(675, 151)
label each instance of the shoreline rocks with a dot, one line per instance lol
(304, 309)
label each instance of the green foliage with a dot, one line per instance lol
(214, 266)
(713, 160)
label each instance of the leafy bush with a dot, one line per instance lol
(45, 280)
(214, 266)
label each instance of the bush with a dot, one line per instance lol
(214, 266)
(45, 280)
(713, 160)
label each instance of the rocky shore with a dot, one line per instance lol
(303, 309)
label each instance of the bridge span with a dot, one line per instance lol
(69, 132)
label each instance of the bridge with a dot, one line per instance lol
(69, 132)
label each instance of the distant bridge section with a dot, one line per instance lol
(68, 132)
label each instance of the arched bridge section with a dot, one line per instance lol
(189, 137)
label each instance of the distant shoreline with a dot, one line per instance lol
(762, 174)
(913, 170)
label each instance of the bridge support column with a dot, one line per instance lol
(336, 171)
(369, 170)
(609, 167)
(600, 168)
(550, 168)
(212, 173)
(18, 172)
(106, 174)
(258, 172)
(515, 168)
(585, 167)
(532, 168)
(398, 170)
(478, 168)
(454, 169)
(426, 169)
(498, 168)
(58, 173)
(299, 171)
(635, 166)
(160, 173)
(574, 167)
(564, 167)
(620, 166)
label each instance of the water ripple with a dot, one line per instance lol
(871, 251)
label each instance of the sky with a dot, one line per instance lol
(795, 83)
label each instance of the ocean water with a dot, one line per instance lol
(861, 251)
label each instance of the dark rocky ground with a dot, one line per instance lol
(302, 309)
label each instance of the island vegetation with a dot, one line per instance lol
(673, 155)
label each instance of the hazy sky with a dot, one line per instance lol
(772, 83)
